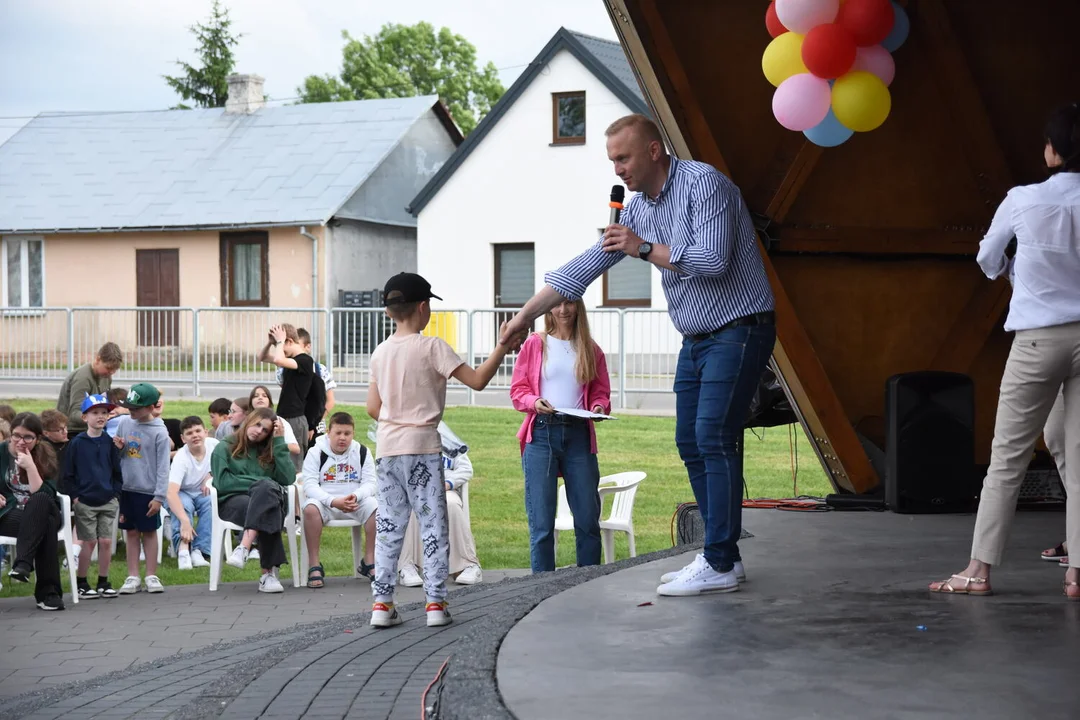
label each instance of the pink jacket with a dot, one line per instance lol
(525, 387)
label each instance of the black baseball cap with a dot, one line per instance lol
(407, 288)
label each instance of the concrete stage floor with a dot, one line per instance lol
(834, 622)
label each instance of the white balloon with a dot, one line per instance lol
(800, 16)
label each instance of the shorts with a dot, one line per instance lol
(365, 495)
(93, 523)
(133, 509)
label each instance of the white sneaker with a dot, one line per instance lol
(197, 559)
(438, 614)
(153, 584)
(253, 554)
(740, 571)
(384, 615)
(269, 583)
(470, 576)
(130, 586)
(238, 557)
(183, 560)
(410, 576)
(702, 579)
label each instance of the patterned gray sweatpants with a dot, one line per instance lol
(411, 483)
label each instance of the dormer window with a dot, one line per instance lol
(568, 118)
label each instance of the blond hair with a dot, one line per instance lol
(580, 340)
(642, 125)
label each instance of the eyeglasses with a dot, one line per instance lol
(18, 437)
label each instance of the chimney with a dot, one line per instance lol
(245, 93)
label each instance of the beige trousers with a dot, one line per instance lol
(1040, 362)
(462, 545)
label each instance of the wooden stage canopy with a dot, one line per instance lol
(872, 253)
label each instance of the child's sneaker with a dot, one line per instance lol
(198, 560)
(153, 584)
(130, 586)
(384, 615)
(86, 592)
(438, 614)
(410, 576)
(20, 573)
(269, 583)
(106, 590)
(253, 554)
(52, 601)
(183, 560)
(238, 557)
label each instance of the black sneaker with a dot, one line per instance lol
(106, 590)
(88, 593)
(51, 602)
(20, 573)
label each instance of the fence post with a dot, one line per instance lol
(622, 359)
(328, 344)
(71, 339)
(469, 349)
(195, 351)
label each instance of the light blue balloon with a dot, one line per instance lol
(829, 132)
(900, 30)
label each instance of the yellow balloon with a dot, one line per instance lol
(860, 101)
(783, 58)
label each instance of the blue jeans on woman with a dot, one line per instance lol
(561, 444)
(715, 381)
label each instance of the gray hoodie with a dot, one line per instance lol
(144, 459)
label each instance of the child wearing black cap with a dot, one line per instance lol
(407, 396)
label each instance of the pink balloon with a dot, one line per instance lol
(802, 101)
(876, 60)
(799, 16)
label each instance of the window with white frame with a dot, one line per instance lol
(24, 272)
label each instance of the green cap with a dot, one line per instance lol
(142, 395)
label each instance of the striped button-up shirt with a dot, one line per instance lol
(701, 216)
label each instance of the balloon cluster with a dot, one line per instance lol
(831, 63)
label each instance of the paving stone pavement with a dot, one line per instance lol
(95, 654)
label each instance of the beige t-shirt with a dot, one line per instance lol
(410, 372)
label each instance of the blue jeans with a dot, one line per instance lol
(195, 504)
(561, 444)
(715, 381)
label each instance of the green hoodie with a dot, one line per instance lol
(236, 475)
(48, 485)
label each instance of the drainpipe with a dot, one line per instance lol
(314, 277)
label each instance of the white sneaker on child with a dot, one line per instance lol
(130, 586)
(410, 576)
(269, 583)
(253, 554)
(153, 584)
(238, 557)
(384, 615)
(183, 560)
(470, 576)
(197, 559)
(438, 614)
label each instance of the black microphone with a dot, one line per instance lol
(617, 194)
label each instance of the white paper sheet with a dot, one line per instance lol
(584, 414)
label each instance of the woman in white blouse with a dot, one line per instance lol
(1045, 315)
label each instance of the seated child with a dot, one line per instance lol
(189, 497)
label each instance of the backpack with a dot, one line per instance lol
(315, 403)
(324, 456)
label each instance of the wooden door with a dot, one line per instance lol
(157, 284)
(515, 277)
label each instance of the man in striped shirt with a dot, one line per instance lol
(690, 221)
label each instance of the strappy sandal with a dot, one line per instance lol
(315, 581)
(1066, 584)
(945, 587)
(366, 570)
(1056, 553)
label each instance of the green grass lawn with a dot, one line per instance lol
(496, 494)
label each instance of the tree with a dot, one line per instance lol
(409, 60)
(206, 85)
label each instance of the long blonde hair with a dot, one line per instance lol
(580, 339)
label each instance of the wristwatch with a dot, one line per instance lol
(643, 250)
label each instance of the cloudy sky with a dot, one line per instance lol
(70, 55)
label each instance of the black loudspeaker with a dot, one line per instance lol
(930, 443)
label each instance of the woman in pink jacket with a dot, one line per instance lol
(561, 368)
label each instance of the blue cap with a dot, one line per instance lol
(93, 401)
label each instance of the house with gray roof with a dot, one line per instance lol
(529, 188)
(242, 206)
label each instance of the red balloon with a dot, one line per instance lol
(828, 51)
(868, 21)
(772, 22)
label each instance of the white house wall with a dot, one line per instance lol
(515, 187)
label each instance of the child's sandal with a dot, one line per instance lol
(366, 570)
(315, 577)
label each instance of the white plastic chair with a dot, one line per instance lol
(621, 519)
(465, 503)
(65, 536)
(357, 538)
(221, 542)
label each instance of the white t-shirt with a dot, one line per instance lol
(187, 472)
(558, 380)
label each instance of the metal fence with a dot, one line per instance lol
(221, 346)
